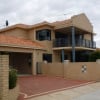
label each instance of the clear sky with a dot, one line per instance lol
(34, 11)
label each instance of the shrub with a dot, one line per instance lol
(94, 56)
(12, 78)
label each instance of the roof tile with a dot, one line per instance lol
(11, 40)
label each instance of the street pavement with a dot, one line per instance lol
(91, 96)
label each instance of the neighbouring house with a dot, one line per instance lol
(97, 49)
(27, 45)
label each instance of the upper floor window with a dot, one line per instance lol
(44, 34)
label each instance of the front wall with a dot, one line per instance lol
(52, 69)
(73, 70)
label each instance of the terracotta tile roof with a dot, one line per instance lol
(12, 41)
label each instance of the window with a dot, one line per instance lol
(44, 34)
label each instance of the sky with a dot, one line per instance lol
(35, 11)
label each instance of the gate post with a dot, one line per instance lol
(4, 75)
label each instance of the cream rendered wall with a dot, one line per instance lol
(81, 21)
(73, 70)
(87, 36)
(56, 56)
(37, 54)
(36, 57)
(20, 33)
(32, 32)
(47, 44)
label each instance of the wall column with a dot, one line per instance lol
(34, 62)
(73, 43)
(62, 55)
(4, 75)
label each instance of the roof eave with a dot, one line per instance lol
(20, 46)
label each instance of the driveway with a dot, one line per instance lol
(87, 92)
(33, 86)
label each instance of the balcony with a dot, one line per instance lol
(63, 42)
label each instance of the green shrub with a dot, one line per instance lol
(12, 78)
(94, 56)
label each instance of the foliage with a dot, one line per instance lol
(94, 56)
(12, 78)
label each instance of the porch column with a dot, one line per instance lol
(92, 39)
(34, 63)
(62, 55)
(73, 43)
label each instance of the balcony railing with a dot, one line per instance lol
(63, 42)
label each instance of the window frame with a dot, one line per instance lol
(47, 35)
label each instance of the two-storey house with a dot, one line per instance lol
(70, 39)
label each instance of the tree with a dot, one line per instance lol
(94, 56)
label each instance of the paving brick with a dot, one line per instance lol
(30, 85)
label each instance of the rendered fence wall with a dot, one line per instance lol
(53, 69)
(82, 71)
(77, 71)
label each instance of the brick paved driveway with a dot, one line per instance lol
(38, 85)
